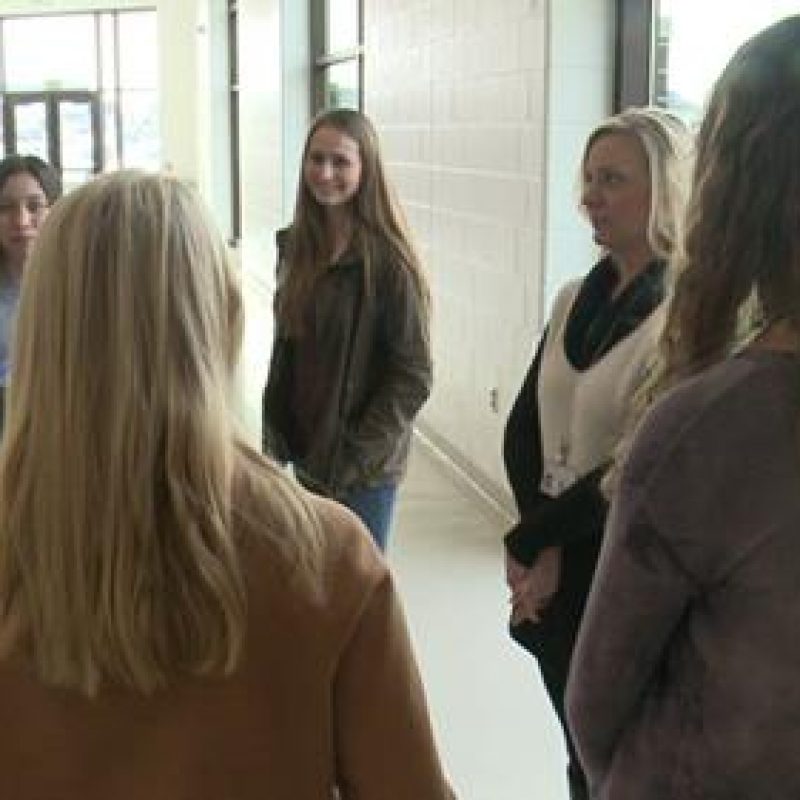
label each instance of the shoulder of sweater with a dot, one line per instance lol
(352, 566)
(335, 576)
(706, 409)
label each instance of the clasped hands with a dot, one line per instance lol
(532, 588)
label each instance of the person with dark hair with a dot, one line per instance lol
(571, 410)
(684, 681)
(351, 364)
(28, 187)
(178, 618)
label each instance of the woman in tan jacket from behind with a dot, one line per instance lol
(178, 621)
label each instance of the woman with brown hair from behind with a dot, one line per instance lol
(177, 619)
(684, 679)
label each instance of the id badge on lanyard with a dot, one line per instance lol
(557, 476)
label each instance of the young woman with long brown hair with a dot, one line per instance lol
(351, 364)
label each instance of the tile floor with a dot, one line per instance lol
(498, 737)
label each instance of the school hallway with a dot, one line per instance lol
(498, 737)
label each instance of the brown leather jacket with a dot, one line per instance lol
(375, 348)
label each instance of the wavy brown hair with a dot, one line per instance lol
(742, 247)
(123, 486)
(380, 231)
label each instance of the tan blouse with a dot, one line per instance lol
(328, 694)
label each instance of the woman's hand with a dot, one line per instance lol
(533, 588)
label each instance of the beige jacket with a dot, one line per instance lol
(328, 693)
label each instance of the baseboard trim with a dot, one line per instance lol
(494, 497)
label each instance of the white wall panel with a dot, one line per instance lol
(481, 105)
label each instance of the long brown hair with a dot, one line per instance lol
(380, 230)
(119, 464)
(742, 246)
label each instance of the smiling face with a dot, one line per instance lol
(332, 167)
(23, 207)
(616, 193)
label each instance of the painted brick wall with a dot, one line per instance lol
(457, 89)
(484, 157)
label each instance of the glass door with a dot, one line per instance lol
(25, 124)
(64, 128)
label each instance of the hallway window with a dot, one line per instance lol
(693, 42)
(81, 90)
(337, 41)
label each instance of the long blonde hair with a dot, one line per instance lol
(118, 467)
(668, 147)
(666, 144)
(379, 225)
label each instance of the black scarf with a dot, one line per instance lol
(596, 322)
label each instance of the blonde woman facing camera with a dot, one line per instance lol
(177, 620)
(351, 363)
(573, 405)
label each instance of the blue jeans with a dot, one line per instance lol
(374, 507)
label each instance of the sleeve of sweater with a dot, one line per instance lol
(575, 515)
(522, 441)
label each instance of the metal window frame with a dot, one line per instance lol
(52, 99)
(323, 58)
(634, 57)
(234, 123)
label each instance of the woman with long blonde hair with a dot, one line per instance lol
(351, 364)
(684, 679)
(177, 619)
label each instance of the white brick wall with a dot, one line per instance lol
(456, 88)
(479, 104)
